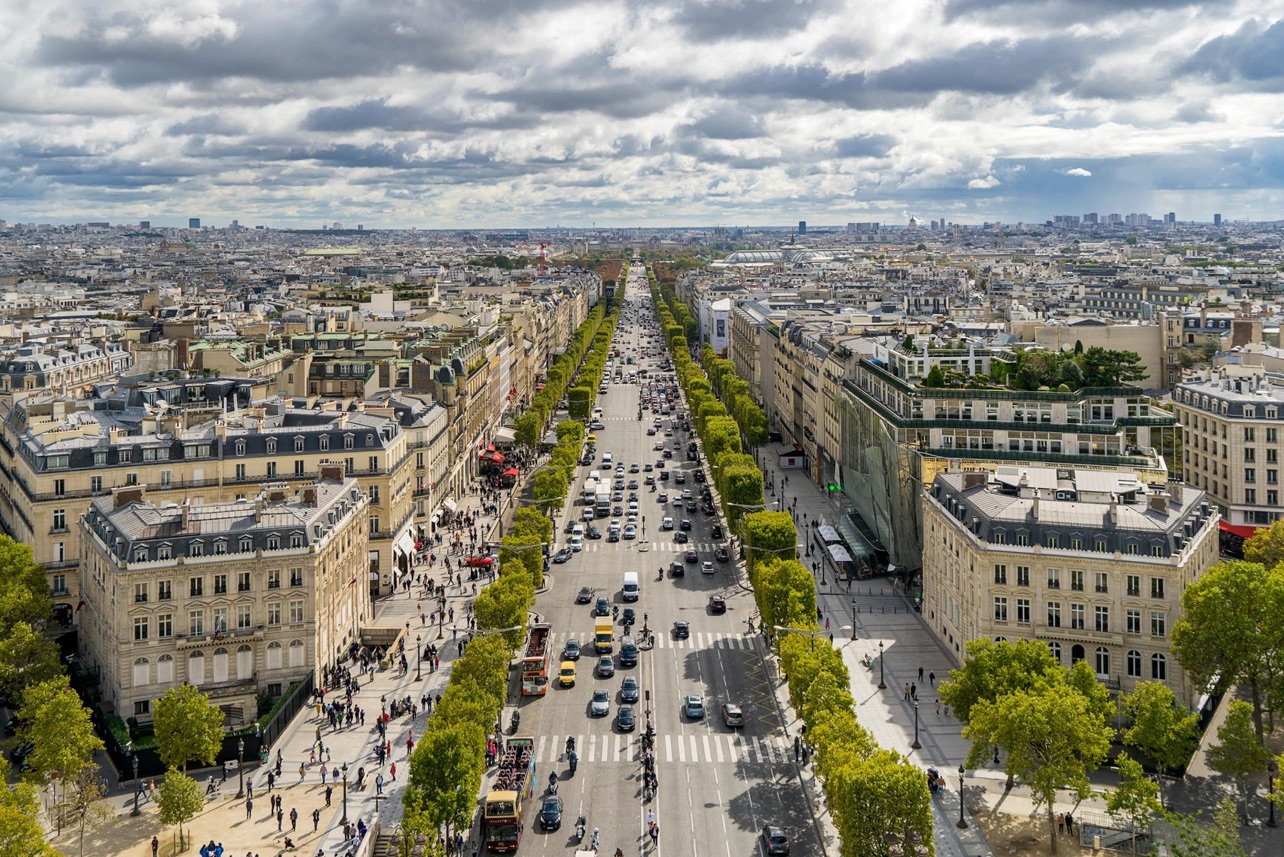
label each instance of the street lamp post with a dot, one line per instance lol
(853, 620)
(240, 768)
(962, 825)
(135, 761)
(882, 685)
(344, 770)
(1272, 771)
(419, 661)
(916, 745)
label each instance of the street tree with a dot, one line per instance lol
(24, 592)
(179, 800)
(21, 834)
(570, 431)
(879, 796)
(530, 521)
(59, 728)
(1238, 753)
(504, 604)
(1135, 802)
(550, 485)
(1103, 367)
(1052, 736)
(1232, 629)
(445, 775)
(26, 657)
(188, 727)
(578, 402)
(1161, 730)
(785, 593)
(1193, 837)
(743, 491)
(769, 535)
(525, 550)
(87, 802)
(992, 669)
(526, 430)
(1266, 546)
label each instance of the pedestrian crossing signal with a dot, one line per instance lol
(834, 486)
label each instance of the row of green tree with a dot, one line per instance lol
(876, 797)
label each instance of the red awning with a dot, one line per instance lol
(497, 457)
(512, 471)
(1244, 531)
(490, 447)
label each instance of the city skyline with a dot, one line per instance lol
(441, 115)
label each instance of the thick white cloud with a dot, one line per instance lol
(440, 113)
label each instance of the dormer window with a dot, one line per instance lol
(298, 444)
(240, 447)
(140, 554)
(247, 544)
(296, 540)
(271, 446)
(369, 440)
(274, 542)
(325, 442)
(348, 441)
(196, 549)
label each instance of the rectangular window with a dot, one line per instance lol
(296, 612)
(1076, 543)
(164, 590)
(243, 618)
(274, 579)
(1249, 434)
(240, 472)
(274, 613)
(1054, 614)
(220, 620)
(1076, 580)
(1134, 585)
(374, 495)
(142, 707)
(140, 593)
(296, 577)
(1156, 587)
(1158, 624)
(1023, 575)
(1000, 609)
(1272, 436)
(60, 520)
(95, 484)
(1250, 454)
(1001, 575)
(1102, 617)
(165, 626)
(1077, 616)
(1102, 581)
(1133, 621)
(1250, 475)
(60, 584)
(1250, 496)
(141, 626)
(196, 587)
(1054, 578)
(374, 463)
(220, 584)
(298, 468)
(196, 623)
(243, 581)
(1023, 611)
(60, 487)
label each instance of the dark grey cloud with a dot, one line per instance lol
(207, 123)
(1253, 53)
(720, 20)
(727, 122)
(864, 146)
(1000, 68)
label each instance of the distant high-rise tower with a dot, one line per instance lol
(1217, 220)
(144, 224)
(193, 223)
(802, 227)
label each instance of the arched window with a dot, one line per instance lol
(220, 665)
(165, 669)
(1000, 639)
(1056, 650)
(195, 668)
(1103, 661)
(274, 656)
(1134, 663)
(142, 672)
(1076, 653)
(1158, 667)
(296, 653)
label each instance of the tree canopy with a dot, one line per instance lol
(188, 727)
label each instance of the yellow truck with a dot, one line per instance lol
(604, 636)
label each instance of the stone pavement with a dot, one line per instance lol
(224, 818)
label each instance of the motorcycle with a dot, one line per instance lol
(579, 830)
(516, 721)
(552, 783)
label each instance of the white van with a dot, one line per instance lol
(631, 590)
(606, 458)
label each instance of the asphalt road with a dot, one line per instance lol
(717, 786)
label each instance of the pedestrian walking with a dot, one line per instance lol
(393, 771)
(316, 819)
(328, 791)
(249, 809)
(907, 690)
(155, 846)
(920, 673)
(280, 819)
(294, 819)
(938, 706)
(303, 771)
(271, 781)
(931, 677)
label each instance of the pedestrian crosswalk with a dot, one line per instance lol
(720, 747)
(664, 639)
(705, 549)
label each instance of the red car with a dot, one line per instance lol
(480, 561)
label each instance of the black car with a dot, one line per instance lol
(570, 526)
(629, 689)
(603, 606)
(680, 478)
(698, 476)
(564, 555)
(613, 536)
(550, 815)
(593, 532)
(693, 456)
(774, 839)
(681, 538)
(685, 525)
(721, 555)
(627, 616)
(716, 532)
(677, 569)
(625, 719)
(571, 651)
(585, 595)
(717, 604)
(692, 556)
(681, 630)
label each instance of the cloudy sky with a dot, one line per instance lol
(463, 113)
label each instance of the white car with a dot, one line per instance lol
(666, 524)
(577, 543)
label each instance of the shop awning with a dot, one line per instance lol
(405, 544)
(505, 436)
(1244, 531)
(497, 457)
(512, 471)
(449, 505)
(838, 553)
